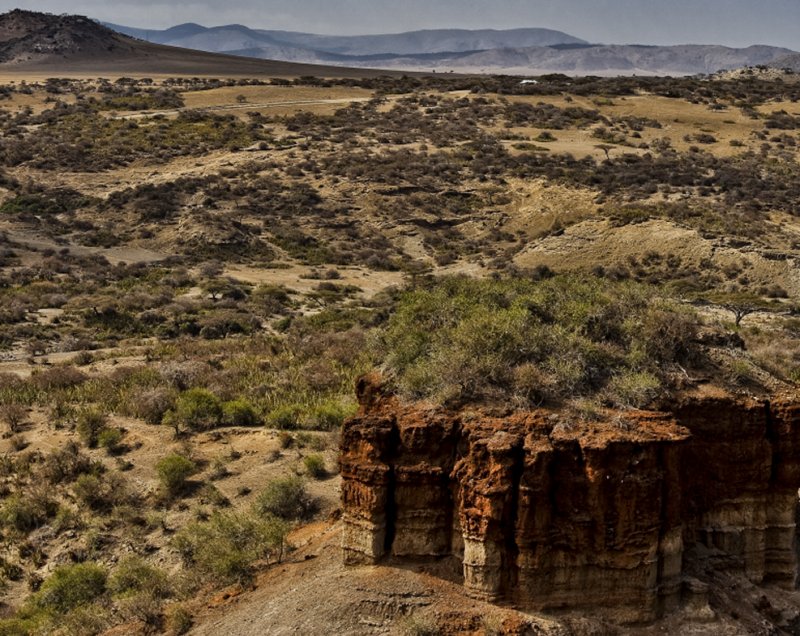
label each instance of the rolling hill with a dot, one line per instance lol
(318, 47)
(518, 51)
(33, 42)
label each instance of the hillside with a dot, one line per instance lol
(33, 42)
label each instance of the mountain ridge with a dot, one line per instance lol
(424, 40)
(32, 41)
(513, 51)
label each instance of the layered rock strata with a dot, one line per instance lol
(602, 516)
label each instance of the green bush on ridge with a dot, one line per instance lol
(464, 340)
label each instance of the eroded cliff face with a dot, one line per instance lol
(611, 517)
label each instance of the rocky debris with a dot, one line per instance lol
(625, 519)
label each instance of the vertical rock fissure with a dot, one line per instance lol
(391, 488)
(451, 484)
(668, 582)
(773, 439)
(511, 546)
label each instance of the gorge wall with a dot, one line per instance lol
(603, 516)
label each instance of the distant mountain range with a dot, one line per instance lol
(523, 51)
(49, 42)
(309, 46)
(46, 43)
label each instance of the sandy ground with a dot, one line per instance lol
(314, 593)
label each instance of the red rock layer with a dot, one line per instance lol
(602, 517)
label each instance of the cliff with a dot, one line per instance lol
(612, 518)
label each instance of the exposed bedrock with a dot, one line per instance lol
(604, 517)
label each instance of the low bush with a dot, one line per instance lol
(110, 439)
(134, 575)
(225, 547)
(315, 466)
(285, 498)
(24, 512)
(91, 423)
(330, 415)
(101, 493)
(239, 413)
(197, 410)
(173, 472)
(153, 404)
(67, 588)
(285, 418)
(178, 620)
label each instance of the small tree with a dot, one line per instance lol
(606, 148)
(739, 312)
(14, 416)
(740, 304)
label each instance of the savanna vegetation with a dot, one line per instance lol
(187, 295)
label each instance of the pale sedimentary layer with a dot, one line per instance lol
(600, 517)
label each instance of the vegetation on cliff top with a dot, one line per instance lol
(538, 341)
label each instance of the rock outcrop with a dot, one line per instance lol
(612, 517)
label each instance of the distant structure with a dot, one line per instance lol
(529, 81)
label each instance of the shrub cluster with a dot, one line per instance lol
(464, 340)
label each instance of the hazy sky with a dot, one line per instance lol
(731, 22)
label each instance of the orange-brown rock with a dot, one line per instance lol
(605, 517)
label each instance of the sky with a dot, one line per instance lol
(729, 22)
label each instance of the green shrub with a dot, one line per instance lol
(24, 512)
(213, 496)
(286, 418)
(463, 340)
(633, 389)
(315, 466)
(239, 413)
(225, 547)
(197, 409)
(67, 463)
(69, 587)
(16, 627)
(330, 415)
(740, 372)
(91, 423)
(101, 493)
(285, 498)
(178, 620)
(134, 574)
(110, 439)
(173, 471)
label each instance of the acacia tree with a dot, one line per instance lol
(606, 148)
(740, 304)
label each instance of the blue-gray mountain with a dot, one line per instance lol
(511, 51)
